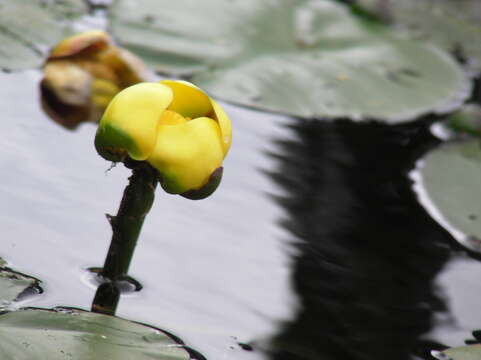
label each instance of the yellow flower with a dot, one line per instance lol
(175, 127)
(83, 73)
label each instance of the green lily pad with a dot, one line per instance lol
(470, 352)
(451, 177)
(13, 284)
(29, 27)
(299, 57)
(37, 334)
(453, 25)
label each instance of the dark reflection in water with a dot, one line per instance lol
(367, 252)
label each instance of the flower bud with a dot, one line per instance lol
(82, 74)
(175, 127)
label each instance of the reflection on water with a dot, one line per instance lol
(368, 254)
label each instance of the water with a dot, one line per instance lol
(314, 246)
(206, 266)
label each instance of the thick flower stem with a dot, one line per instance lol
(126, 225)
(106, 298)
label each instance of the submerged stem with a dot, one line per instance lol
(126, 225)
(106, 299)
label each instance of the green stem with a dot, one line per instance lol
(126, 225)
(106, 299)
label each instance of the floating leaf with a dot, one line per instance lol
(300, 57)
(453, 25)
(13, 284)
(29, 27)
(37, 334)
(451, 177)
(470, 352)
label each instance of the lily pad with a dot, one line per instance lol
(453, 25)
(470, 352)
(29, 27)
(299, 57)
(13, 284)
(451, 178)
(64, 333)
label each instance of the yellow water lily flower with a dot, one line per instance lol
(83, 73)
(175, 127)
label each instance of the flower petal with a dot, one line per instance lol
(224, 124)
(206, 190)
(94, 40)
(94, 68)
(169, 117)
(186, 155)
(129, 124)
(128, 68)
(189, 100)
(102, 92)
(70, 83)
(62, 113)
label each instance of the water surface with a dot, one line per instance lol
(314, 246)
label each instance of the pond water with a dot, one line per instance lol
(314, 246)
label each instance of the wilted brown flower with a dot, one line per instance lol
(82, 74)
